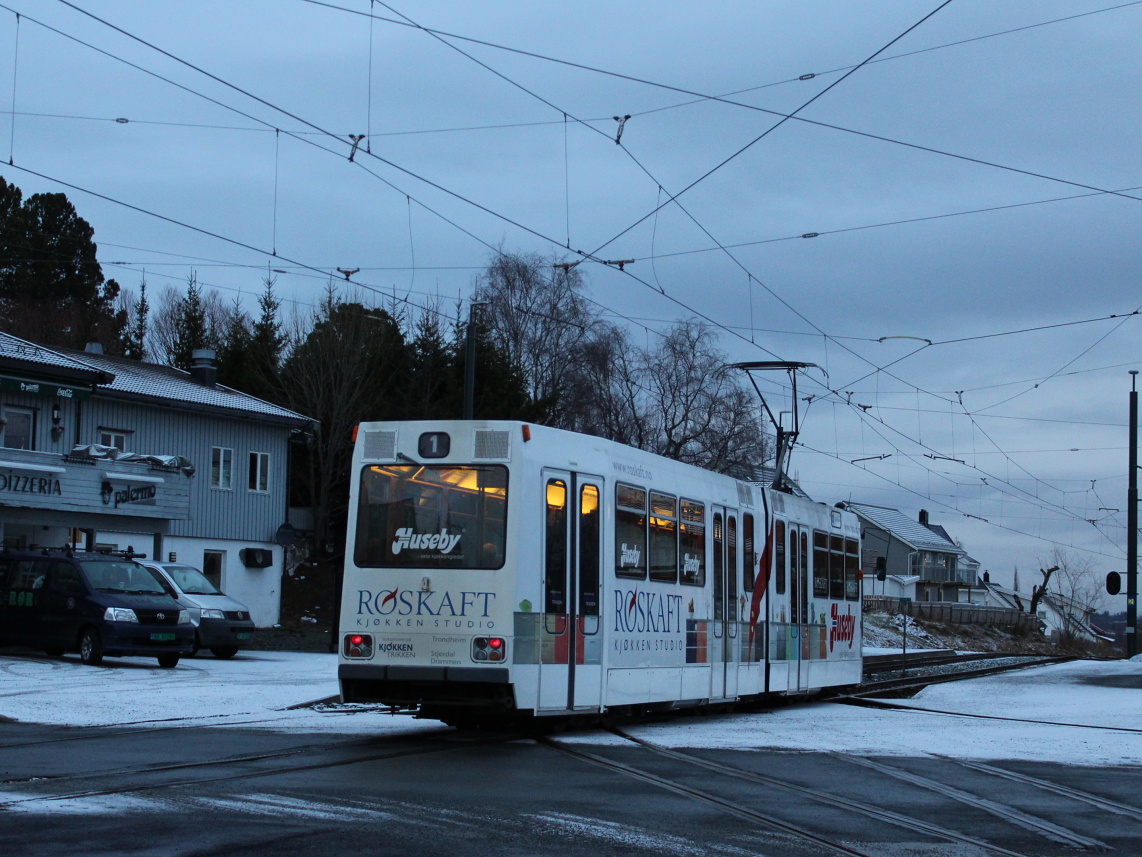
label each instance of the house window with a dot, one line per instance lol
(259, 472)
(221, 468)
(212, 563)
(114, 437)
(18, 428)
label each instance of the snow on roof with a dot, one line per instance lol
(17, 351)
(915, 534)
(135, 378)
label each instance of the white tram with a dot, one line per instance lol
(498, 569)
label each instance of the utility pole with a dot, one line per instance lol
(1132, 526)
(470, 361)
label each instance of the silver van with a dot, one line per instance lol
(221, 623)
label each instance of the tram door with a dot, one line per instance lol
(571, 675)
(726, 567)
(799, 608)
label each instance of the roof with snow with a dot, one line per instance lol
(136, 380)
(910, 531)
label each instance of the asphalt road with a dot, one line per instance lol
(233, 791)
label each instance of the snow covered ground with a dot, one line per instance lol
(1082, 713)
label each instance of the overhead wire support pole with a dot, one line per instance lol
(470, 361)
(1132, 527)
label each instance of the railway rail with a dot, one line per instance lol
(898, 674)
(715, 791)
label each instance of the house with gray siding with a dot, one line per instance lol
(107, 452)
(920, 559)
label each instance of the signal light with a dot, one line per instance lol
(489, 649)
(358, 646)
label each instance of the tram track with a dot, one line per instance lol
(770, 821)
(1009, 815)
(919, 680)
(143, 778)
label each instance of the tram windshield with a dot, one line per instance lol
(432, 516)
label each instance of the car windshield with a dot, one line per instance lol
(190, 580)
(120, 576)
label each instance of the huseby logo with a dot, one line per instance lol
(842, 629)
(442, 541)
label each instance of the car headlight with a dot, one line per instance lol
(212, 614)
(183, 617)
(120, 614)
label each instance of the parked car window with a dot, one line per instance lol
(64, 578)
(121, 577)
(190, 580)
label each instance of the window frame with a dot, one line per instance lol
(691, 530)
(663, 533)
(258, 473)
(222, 468)
(622, 527)
(112, 434)
(30, 413)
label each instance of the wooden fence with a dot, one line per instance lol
(954, 613)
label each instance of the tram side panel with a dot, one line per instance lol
(814, 597)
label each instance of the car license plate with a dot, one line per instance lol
(165, 638)
(245, 636)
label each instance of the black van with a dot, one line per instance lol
(96, 604)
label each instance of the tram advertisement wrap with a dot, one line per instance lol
(438, 610)
(647, 622)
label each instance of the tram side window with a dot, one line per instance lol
(630, 531)
(820, 564)
(852, 570)
(732, 567)
(719, 568)
(692, 543)
(803, 576)
(779, 557)
(663, 538)
(589, 551)
(555, 554)
(749, 558)
(836, 567)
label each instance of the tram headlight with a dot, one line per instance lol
(358, 646)
(493, 649)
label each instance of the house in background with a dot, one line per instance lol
(107, 452)
(1061, 618)
(921, 561)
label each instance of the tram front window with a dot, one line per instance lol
(432, 516)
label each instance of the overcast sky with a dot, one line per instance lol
(955, 163)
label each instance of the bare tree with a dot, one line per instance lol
(534, 311)
(673, 399)
(1072, 584)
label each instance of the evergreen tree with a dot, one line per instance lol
(134, 338)
(235, 350)
(51, 285)
(190, 326)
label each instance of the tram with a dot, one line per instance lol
(499, 570)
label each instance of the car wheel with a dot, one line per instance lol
(168, 660)
(91, 647)
(224, 651)
(197, 645)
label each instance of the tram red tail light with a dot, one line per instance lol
(489, 649)
(358, 646)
